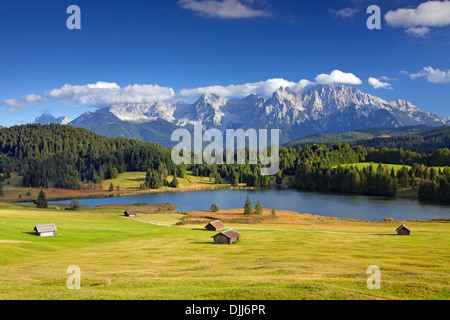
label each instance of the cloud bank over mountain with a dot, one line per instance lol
(102, 94)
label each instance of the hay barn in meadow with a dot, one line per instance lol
(130, 213)
(403, 230)
(45, 230)
(214, 226)
(226, 237)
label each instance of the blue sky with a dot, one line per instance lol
(176, 50)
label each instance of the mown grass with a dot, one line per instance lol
(121, 258)
(125, 183)
(133, 180)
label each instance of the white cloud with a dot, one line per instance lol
(416, 21)
(14, 105)
(264, 88)
(387, 78)
(432, 75)
(97, 95)
(377, 84)
(33, 98)
(338, 77)
(418, 31)
(105, 93)
(225, 9)
(22, 104)
(102, 94)
(344, 12)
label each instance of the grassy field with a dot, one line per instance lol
(289, 256)
(133, 180)
(125, 184)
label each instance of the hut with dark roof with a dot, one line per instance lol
(45, 230)
(226, 237)
(214, 226)
(403, 230)
(130, 213)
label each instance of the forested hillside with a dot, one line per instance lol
(424, 142)
(66, 157)
(420, 139)
(334, 169)
(330, 138)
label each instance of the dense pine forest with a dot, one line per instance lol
(68, 157)
(425, 142)
(421, 139)
(320, 168)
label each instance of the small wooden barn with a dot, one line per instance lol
(403, 230)
(45, 230)
(214, 226)
(130, 213)
(226, 237)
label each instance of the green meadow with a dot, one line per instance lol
(133, 180)
(123, 258)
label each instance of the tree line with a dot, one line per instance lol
(319, 168)
(68, 157)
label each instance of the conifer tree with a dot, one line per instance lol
(258, 208)
(248, 207)
(42, 200)
(174, 183)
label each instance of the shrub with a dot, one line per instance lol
(174, 183)
(75, 204)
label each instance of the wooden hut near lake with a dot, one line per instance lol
(403, 230)
(214, 226)
(226, 237)
(130, 213)
(45, 230)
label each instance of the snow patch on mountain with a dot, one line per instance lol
(322, 108)
(47, 118)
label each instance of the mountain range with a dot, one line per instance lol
(47, 118)
(319, 109)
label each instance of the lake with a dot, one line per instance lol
(324, 204)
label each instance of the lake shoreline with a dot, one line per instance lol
(57, 194)
(360, 207)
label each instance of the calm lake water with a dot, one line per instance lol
(332, 205)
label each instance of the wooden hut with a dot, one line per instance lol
(45, 230)
(403, 230)
(226, 237)
(214, 226)
(130, 213)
